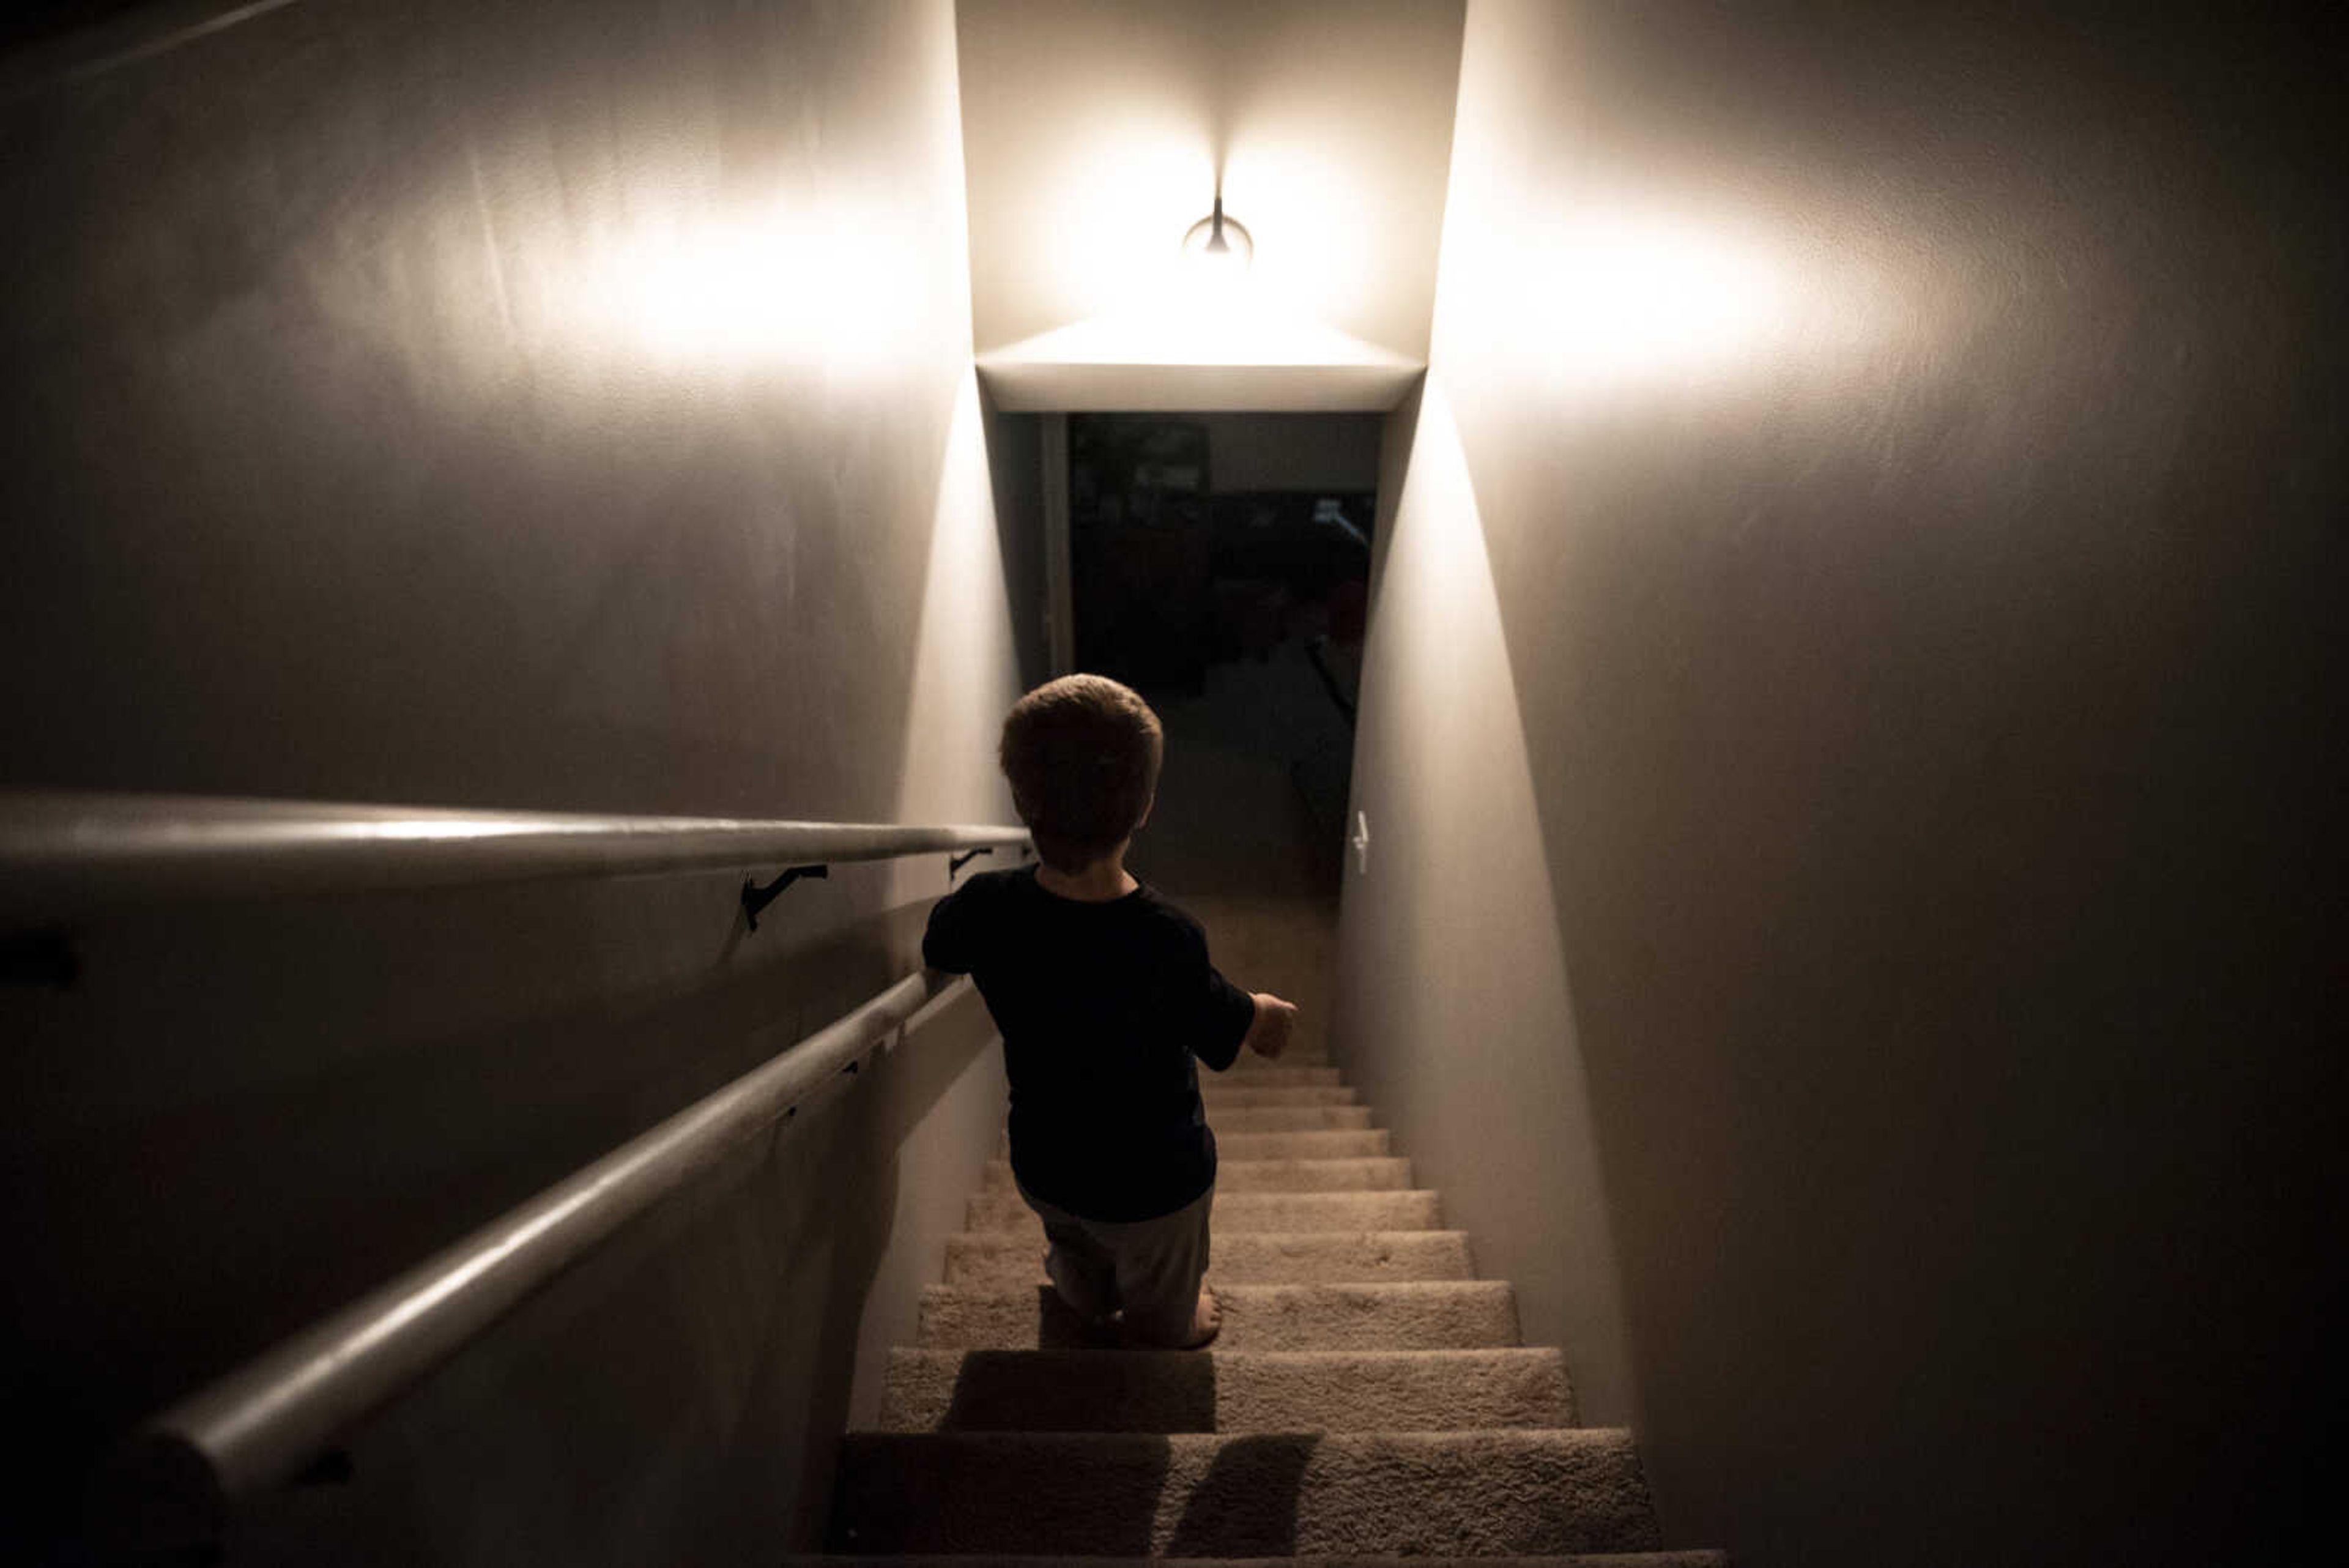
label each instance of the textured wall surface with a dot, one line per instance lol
(536, 405)
(1844, 734)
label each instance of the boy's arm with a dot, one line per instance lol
(1226, 1014)
(950, 942)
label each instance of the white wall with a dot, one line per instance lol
(1842, 736)
(1095, 135)
(531, 405)
(1452, 1007)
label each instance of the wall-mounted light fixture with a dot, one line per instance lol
(1219, 242)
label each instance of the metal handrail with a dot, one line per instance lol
(271, 1419)
(63, 853)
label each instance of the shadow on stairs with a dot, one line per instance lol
(1367, 1398)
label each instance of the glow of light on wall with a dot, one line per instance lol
(1137, 191)
(1143, 298)
(1464, 909)
(1603, 298)
(1139, 297)
(1302, 208)
(964, 656)
(1619, 297)
(837, 285)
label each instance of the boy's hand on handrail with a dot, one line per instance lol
(1275, 1021)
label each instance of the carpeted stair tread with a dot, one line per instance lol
(1001, 1258)
(1411, 1209)
(1297, 1055)
(1419, 1314)
(1340, 1143)
(1368, 1403)
(1475, 1493)
(1224, 1095)
(1256, 1073)
(1289, 1118)
(1224, 1390)
(993, 1560)
(1232, 1119)
(1386, 1173)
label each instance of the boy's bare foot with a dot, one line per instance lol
(1098, 1323)
(1206, 1321)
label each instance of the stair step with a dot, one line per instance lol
(1377, 1174)
(996, 1560)
(1419, 1314)
(1411, 1210)
(1480, 1494)
(1289, 1119)
(1295, 1056)
(1000, 1259)
(1367, 1143)
(1223, 1391)
(1257, 1073)
(1222, 1094)
(1321, 1144)
(1258, 1121)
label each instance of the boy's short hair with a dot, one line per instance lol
(1082, 755)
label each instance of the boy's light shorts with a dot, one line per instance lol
(1152, 1268)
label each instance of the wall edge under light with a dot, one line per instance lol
(1030, 387)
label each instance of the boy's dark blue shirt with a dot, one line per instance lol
(1102, 1008)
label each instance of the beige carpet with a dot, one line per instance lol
(1368, 1399)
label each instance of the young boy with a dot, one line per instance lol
(1104, 995)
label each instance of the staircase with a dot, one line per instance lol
(1368, 1396)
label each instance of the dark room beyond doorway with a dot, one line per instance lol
(1220, 565)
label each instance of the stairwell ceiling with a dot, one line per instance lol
(1093, 135)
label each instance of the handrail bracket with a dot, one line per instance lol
(755, 897)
